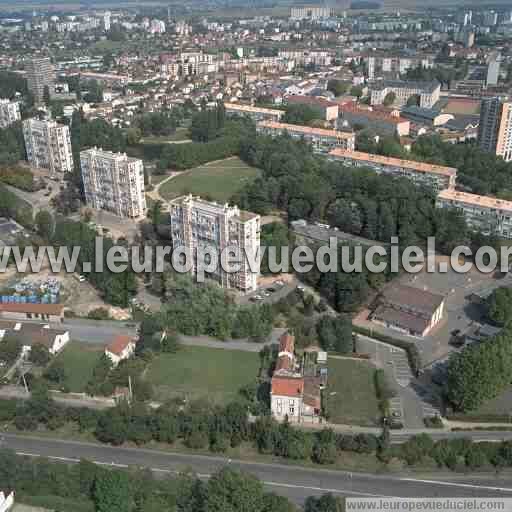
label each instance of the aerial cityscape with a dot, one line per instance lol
(255, 257)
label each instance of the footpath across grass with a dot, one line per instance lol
(199, 372)
(217, 181)
(350, 395)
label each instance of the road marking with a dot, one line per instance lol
(206, 476)
(455, 484)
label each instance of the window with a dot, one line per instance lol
(292, 407)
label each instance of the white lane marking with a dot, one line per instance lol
(206, 475)
(456, 484)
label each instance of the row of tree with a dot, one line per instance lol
(87, 486)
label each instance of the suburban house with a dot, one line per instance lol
(6, 501)
(293, 396)
(45, 312)
(120, 348)
(409, 310)
(30, 334)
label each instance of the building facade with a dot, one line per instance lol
(495, 129)
(113, 182)
(48, 145)
(40, 74)
(428, 92)
(310, 12)
(321, 139)
(255, 113)
(482, 213)
(437, 177)
(199, 224)
(9, 112)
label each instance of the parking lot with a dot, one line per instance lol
(270, 290)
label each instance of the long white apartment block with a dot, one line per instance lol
(9, 112)
(321, 139)
(483, 213)
(437, 177)
(196, 224)
(48, 145)
(113, 182)
(255, 113)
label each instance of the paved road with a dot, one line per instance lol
(294, 482)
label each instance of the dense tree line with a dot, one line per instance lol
(12, 145)
(208, 122)
(201, 425)
(194, 309)
(480, 372)
(19, 177)
(499, 306)
(86, 487)
(301, 114)
(12, 83)
(13, 207)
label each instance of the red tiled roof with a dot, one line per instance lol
(372, 114)
(288, 386)
(287, 343)
(47, 309)
(311, 100)
(119, 343)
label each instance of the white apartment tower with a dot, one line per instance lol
(9, 112)
(113, 182)
(495, 129)
(40, 74)
(196, 223)
(48, 145)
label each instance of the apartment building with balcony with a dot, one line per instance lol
(428, 92)
(437, 177)
(113, 182)
(9, 112)
(321, 139)
(255, 113)
(198, 224)
(488, 215)
(40, 74)
(48, 145)
(495, 128)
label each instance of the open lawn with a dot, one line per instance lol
(79, 361)
(350, 396)
(199, 372)
(218, 181)
(179, 135)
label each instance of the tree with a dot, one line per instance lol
(413, 101)
(389, 99)
(335, 334)
(325, 503)
(44, 224)
(113, 492)
(56, 373)
(301, 114)
(337, 87)
(499, 305)
(39, 355)
(357, 91)
(10, 349)
(233, 491)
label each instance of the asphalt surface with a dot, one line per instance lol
(296, 483)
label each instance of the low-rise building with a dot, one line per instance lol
(121, 347)
(437, 177)
(428, 92)
(30, 334)
(328, 110)
(483, 213)
(380, 121)
(321, 139)
(46, 312)
(9, 112)
(426, 116)
(255, 113)
(409, 310)
(6, 501)
(293, 396)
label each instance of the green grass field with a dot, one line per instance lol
(180, 134)
(79, 360)
(199, 372)
(217, 181)
(354, 401)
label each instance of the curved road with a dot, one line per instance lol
(294, 482)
